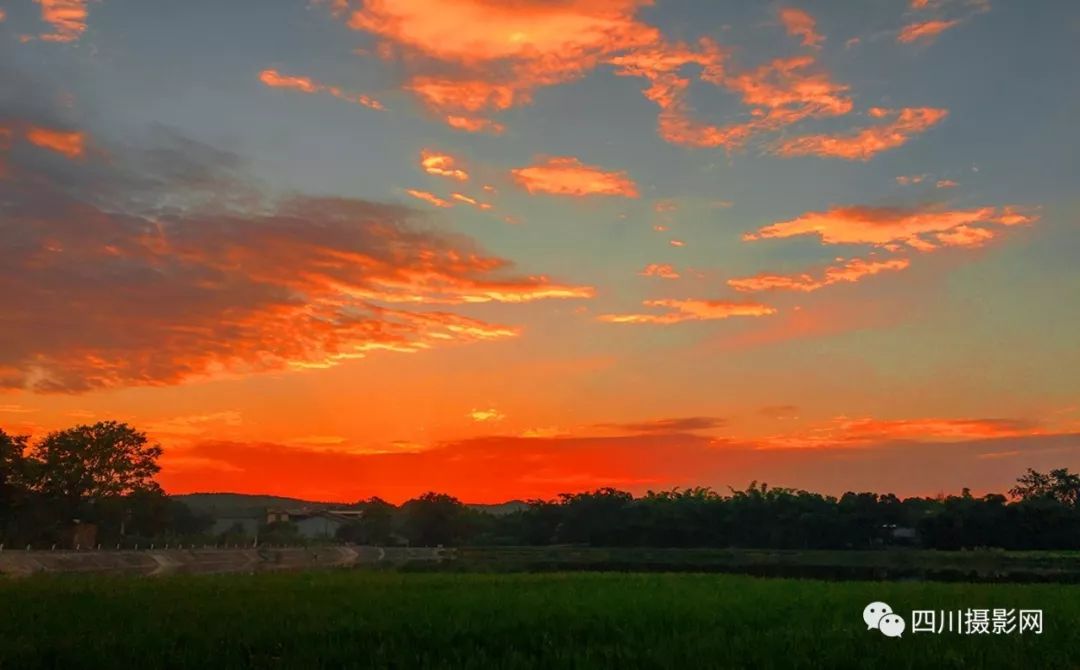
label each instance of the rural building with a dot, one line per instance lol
(313, 524)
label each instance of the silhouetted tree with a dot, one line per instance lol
(1060, 485)
(435, 518)
(376, 526)
(14, 476)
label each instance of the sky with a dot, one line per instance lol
(509, 249)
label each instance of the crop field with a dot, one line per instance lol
(336, 619)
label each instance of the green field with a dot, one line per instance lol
(441, 620)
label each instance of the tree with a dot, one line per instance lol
(435, 518)
(375, 526)
(13, 475)
(89, 463)
(1060, 485)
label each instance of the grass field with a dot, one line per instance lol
(577, 620)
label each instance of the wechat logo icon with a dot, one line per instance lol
(880, 616)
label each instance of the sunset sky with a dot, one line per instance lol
(506, 249)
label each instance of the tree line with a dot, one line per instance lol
(104, 474)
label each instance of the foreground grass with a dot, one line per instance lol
(556, 620)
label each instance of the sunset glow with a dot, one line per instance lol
(512, 249)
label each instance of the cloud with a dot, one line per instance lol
(780, 411)
(461, 197)
(926, 31)
(497, 468)
(691, 310)
(275, 79)
(800, 24)
(68, 143)
(106, 282)
(429, 198)
(67, 18)
(848, 432)
(908, 180)
(319, 440)
(469, 58)
(668, 426)
(779, 93)
(946, 183)
(787, 90)
(566, 175)
(193, 425)
(488, 415)
(852, 270)
(442, 165)
(864, 144)
(16, 409)
(659, 270)
(922, 228)
(660, 64)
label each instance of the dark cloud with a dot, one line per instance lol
(675, 425)
(130, 264)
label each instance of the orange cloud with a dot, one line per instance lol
(660, 64)
(429, 198)
(362, 278)
(946, 183)
(461, 197)
(443, 165)
(68, 143)
(499, 53)
(779, 93)
(566, 175)
(470, 59)
(486, 415)
(844, 431)
(849, 271)
(798, 23)
(924, 30)
(275, 79)
(67, 18)
(659, 270)
(691, 310)
(868, 142)
(788, 90)
(921, 228)
(907, 180)
(3, 15)
(473, 124)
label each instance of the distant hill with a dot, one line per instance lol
(244, 505)
(499, 509)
